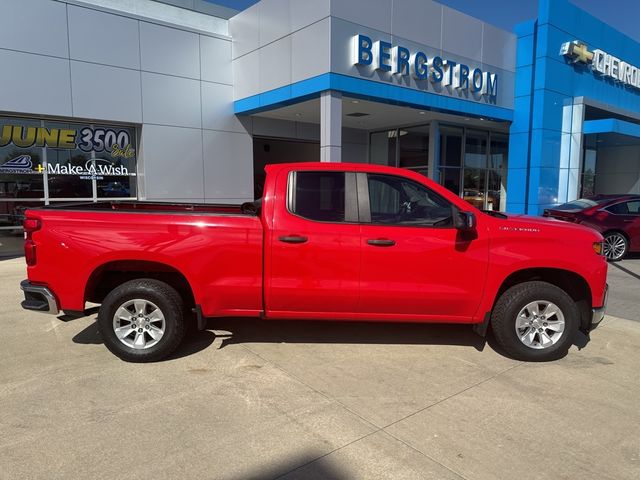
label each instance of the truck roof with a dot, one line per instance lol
(342, 166)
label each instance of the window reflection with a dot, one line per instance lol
(450, 157)
(414, 147)
(20, 166)
(383, 148)
(43, 161)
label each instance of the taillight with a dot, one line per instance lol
(31, 225)
(30, 252)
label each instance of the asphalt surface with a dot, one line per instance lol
(311, 400)
(624, 284)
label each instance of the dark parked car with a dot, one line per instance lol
(617, 217)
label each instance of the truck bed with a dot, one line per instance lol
(214, 248)
(151, 207)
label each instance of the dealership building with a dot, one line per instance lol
(186, 101)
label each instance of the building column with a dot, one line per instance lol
(577, 151)
(434, 151)
(330, 126)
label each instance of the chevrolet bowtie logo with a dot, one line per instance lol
(577, 51)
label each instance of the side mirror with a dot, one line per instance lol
(463, 221)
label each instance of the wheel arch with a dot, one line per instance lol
(109, 275)
(573, 283)
(616, 230)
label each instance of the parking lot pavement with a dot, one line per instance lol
(311, 400)
(624, 284)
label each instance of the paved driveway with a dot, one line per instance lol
(315, 401)
(624, 280)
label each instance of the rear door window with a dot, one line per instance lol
(634, 207)
(625, 208)
(318, 196)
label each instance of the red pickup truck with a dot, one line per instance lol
(326, 242)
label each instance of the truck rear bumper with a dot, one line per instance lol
(598, 313)
(38, 298)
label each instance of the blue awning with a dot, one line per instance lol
(611, 125)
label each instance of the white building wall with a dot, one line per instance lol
(161, 68)
(280, 42)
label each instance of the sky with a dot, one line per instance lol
(621, 14)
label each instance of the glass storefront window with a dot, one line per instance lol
(475, 149)
(498, 164)
(383, 148)
(472, 162)
(496, 191)
(450, 146)
(117, 164)
(450, 157)
(474, 187)
(45, 160)
(414, 147)
(63, 185)
(11, 235)
(450, 179)
(21, 163)
(588, 180)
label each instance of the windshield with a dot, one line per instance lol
(580, 204)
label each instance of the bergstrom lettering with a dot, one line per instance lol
(399, 60)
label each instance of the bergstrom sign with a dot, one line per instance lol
(400, 61)
(602, 63)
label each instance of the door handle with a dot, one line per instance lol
(628, 221)
(293, 239)
(381, 242)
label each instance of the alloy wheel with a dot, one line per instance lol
(139, 324)
(540, 324)
(615, 246)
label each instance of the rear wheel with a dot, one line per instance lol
(142, 320)
(535, 321)
(615, 246)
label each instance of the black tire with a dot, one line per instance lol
(612, 253)
(167, 300)
(508, 307)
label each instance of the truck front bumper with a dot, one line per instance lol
(598, 313)
(38, 298)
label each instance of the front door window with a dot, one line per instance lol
(400, 201)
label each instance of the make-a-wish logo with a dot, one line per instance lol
(93, 167)
(20, 164)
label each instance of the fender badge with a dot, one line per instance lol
(520, 229)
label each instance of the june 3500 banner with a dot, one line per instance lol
(113, 148)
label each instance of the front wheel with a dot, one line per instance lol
(535, 321)
(142, 320)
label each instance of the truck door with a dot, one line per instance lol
(313, 266)
(627, 219)
(415, 264)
